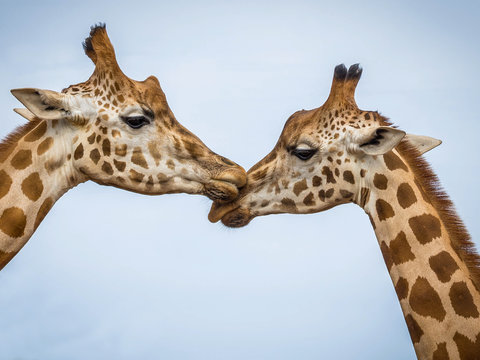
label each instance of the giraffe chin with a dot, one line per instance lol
(231, 215)
(237, 218)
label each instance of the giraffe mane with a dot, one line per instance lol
(459, 236)
(7, 144)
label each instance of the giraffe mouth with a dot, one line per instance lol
(226, 186)
(221, 191)
(231, 215)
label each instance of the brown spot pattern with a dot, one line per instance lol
(400, 249)
(346, 194)
(406, 196)
(13, 222)
(425, 301)
(32, 186)
(462, 300)
(467, 349)
(426, 227)
(316, 181)
(328, 173)
(393, 162)
(329, 193)
(372, 222)
(78, 154)
(152, 148)
(135, 176)
(380, 181)
(364, 196)
(414, 329)
(321, 195)
(5, 153)
(386, 255)
(443, 265)
(259, 174)
(441, 352)
(309, 200)
(44, 146)
(401, 288)
(300, 186)
(37, 133)
(120, 165)
(107, 168)
(5, 183)
(384, 210)
(138, 158)
(5, 258)
(43, 211)
(91, 138)
(348, 177)
(106, 147)
(289, 204)
(22, 159)
(95, 155)
(52, 165)
(195, 150)
(121, 150)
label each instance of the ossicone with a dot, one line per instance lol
(344, 84)
(99, 48)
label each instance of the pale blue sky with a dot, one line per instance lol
(116, 275)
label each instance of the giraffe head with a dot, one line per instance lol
(320, 159)
(124, 134)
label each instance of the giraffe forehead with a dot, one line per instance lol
(114, 90)
(326, 124)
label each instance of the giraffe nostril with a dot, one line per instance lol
(227, 161)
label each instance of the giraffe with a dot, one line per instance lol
(339, 154)
(111, 130)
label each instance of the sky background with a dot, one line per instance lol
(117, 275)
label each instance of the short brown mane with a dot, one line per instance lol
(459, 236)
(8, 144)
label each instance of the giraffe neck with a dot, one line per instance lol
(35, 171)
(433, 283)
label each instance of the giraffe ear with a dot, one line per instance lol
(422, 143)
(45, 104)
(27, 114)
(380, 140)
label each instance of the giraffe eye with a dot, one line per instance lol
(136, 122)
(304, 154)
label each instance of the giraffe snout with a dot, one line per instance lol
(225, 185)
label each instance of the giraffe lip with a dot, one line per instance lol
(236, 176)
(219, 210)
(221, 191)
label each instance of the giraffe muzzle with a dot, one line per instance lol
(234, 175)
